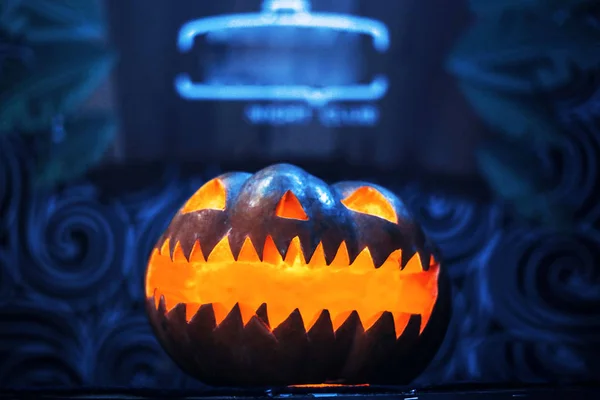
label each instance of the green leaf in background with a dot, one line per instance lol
(64, 75)
(516, 174)
(515, 116)
(511, 59)
(524, 53)
(80, 146)
(10, 19)
(44, 21)
(67, 59)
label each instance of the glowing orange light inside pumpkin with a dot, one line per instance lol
(292, 282)
(327, 385)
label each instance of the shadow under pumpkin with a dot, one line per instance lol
(277, 278)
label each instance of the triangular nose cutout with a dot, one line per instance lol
(289, 207)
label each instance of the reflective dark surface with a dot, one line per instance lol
(528, 393)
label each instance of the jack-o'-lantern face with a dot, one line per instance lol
(278, 278)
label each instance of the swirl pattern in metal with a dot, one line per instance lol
(525, 301)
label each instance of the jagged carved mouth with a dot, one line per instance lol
(277, 289)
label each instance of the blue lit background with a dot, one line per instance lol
(273, 78)
(373, 99)
(297, 81)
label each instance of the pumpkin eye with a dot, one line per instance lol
(368, 200)
(211, 196)
(289, 207)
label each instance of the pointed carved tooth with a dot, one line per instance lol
(259, 335)
(271, 254)
(341, 318)
(230, 331)
(221, 253)
(414, 265)
(382, 323)
(233, 317)
(190, 310)
(177, 326)
(341, 259)
(169, 302)
(177, 314)
(406, 255)
(348, 341)
(319, 324)
(318, 257)
(248, 252)
(425, 257)
(196, 255)
(262, 313)
(310, 322)
(260, 352)
(205, 319)
(351, 324)
(321, 355)
(151, 273)
(424, 321)
(165, 248)
(220, 312)
(162, 304)
(377, 345)
(364, 261)
(410, 336)
(294, 255)
(178, 255)
(369, 322)
(278, 314)
(200, 332)
(392, 263)
(292, 326)
(157, 297)
(400, 323)
(293, 345)
(257, 325)
(246, 312)
(350, 328)
(432, 261)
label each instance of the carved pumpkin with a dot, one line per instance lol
(277, 278)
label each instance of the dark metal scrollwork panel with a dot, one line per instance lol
(525, 301)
